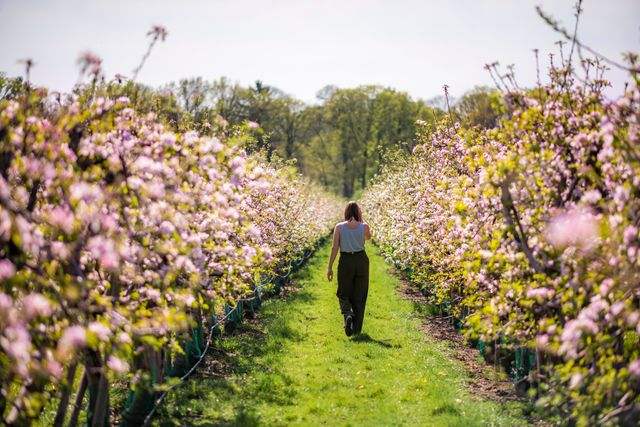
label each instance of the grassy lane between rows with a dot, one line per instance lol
(295, 366)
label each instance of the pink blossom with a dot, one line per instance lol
(623, 102)
(5, 224)
(237, 165)
(633, 318)
(6, 308)
(591, 196)
(81, 191)
(572, 333)
(593, 310)
(30, 237)
(542, 340)
(90, 63)
(16, 343)
(36, 305)
(117, 365)
(152, 294)
(7, 269)
(254, 231)
(155, 190)
(221, 121)
(62, 218)
(605, 287)
(616, 308)
(146, 164)
(127, 113)
(576, 380)
(253, 125)
(124, 338)
(100, 330)
(231, 213)
(89, 57)
(574, 228)
(74, 337)
(630, 234)
(135, 182)
(33, 167)
(184, 263)
(54, 368)
(542, 293)
(5, 191)
(607, 129)
(59, 250)
(258, 171)
(621, 196)
(158, 32)
(167, 228)
(634, 369)
(104, 251)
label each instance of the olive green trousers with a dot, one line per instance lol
(353, 286)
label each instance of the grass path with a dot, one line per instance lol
(295, 366)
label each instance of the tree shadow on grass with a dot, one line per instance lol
(244, 418)
(426, 309)
(241, 371)
(446, 409)
(366, 338)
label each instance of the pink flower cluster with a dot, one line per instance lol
(115, 232)
(529, 232)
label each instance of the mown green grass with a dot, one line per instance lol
(296, 367)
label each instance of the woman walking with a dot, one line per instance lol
(353, 267)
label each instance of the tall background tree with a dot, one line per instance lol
(341, 141)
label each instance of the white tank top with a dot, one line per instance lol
(352, 239)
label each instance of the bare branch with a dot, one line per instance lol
(556, 27)
(513, 221)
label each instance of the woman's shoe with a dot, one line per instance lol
(348, 325)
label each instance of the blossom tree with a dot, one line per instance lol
(528, 232)
(117, 235)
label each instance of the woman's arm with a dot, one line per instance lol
(367, 232)
(334, 251)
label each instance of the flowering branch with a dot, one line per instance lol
(556, 27)
(157, 32)
(90, 64)
(28, 65)
(508, 208)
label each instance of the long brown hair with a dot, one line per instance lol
(352, 211)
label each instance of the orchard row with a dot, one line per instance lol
(117, 235)
(528, 233)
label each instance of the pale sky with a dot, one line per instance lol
(300, 46)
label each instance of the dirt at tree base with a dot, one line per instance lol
(484, 380)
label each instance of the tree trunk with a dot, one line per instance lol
(98, 414)
(66, 394)
(364, 166)
(77, 406)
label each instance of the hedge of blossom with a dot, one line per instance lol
(117, 234)
(529, 233)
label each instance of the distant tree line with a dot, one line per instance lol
(340, 142)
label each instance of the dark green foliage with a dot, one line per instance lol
(340, 143)
(478, 108)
